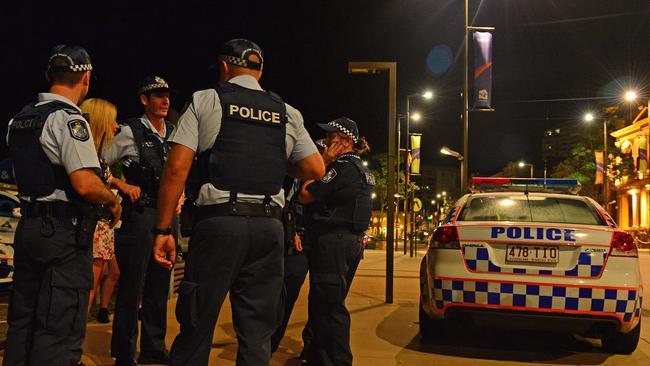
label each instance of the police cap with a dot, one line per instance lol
(343, 125)
(69, 59)
(237, 52)
(152, 82)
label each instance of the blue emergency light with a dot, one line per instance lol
(551, 185)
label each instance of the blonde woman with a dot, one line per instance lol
(101, 116)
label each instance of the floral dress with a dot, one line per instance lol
(104, 238)
(104, 241)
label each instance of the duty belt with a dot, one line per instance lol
(58, 209)
(239, 209)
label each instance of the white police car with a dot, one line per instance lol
(9, 216)
(524, 253)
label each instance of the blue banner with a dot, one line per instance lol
(482, 70)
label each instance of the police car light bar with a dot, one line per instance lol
(552, 185)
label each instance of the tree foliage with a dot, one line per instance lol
(579, 165)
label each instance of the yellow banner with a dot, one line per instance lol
(415, 153)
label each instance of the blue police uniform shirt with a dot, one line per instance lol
(60, 146)
(340, 183)
(123, 146)
(199, 126)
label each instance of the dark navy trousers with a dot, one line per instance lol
(333, 261)
(49, 299)
(296, 266)
(237, 254)
(143, 289)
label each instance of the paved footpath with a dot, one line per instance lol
(387, 334)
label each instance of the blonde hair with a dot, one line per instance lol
(101, 115)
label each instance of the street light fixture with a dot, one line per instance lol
(408, 201)
(391, 184)
(522, 164)
(589, 117)
(630, 95)
(449, 152)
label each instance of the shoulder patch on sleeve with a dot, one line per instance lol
(329, 176)
(78, 130)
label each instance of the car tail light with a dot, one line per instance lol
(445, 237)
(622, 245)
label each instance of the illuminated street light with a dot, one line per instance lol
(407, 171)
(438, 195)
(522, 164)
(373, 195)
(630, 95)
(589, 117)
(449, 152)
(433, 202)
(365, 163)
(444, 193)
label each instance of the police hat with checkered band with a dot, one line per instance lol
(151, 83)
(343, 125)
(69, 59)
(237, 52)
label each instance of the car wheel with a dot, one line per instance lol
(430, 328)
(623, 343)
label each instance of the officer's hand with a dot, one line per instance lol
(132, 191)
(332, 152)
(164, 250)
(116, 211)
(297, 242)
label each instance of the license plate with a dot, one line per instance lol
(533, 253)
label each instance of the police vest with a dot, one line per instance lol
(36, 176)
(249, 154)
(351, 213)
(147, 172)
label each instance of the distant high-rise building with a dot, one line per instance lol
(559, 140)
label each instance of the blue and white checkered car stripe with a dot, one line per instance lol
(622, 303)
(589, 264)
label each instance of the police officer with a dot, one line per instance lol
(142, 148)
(346, 191)
(297, 219)
(245, 139)
(58, 175)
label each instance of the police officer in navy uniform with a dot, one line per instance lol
(246, 140)
(143, 286)
(346, 191)
(58, 175)
(297, 221)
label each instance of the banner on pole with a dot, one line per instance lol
(600, 165)
(482, 70)
(415, 153)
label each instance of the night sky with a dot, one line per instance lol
(544, 49)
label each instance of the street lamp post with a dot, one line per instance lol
(463, 178)
(522, 164)
(391, 68)
(408, 198)
(449, 152)
(588, 118)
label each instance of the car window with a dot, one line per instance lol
(7, 206)
(530, 209)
